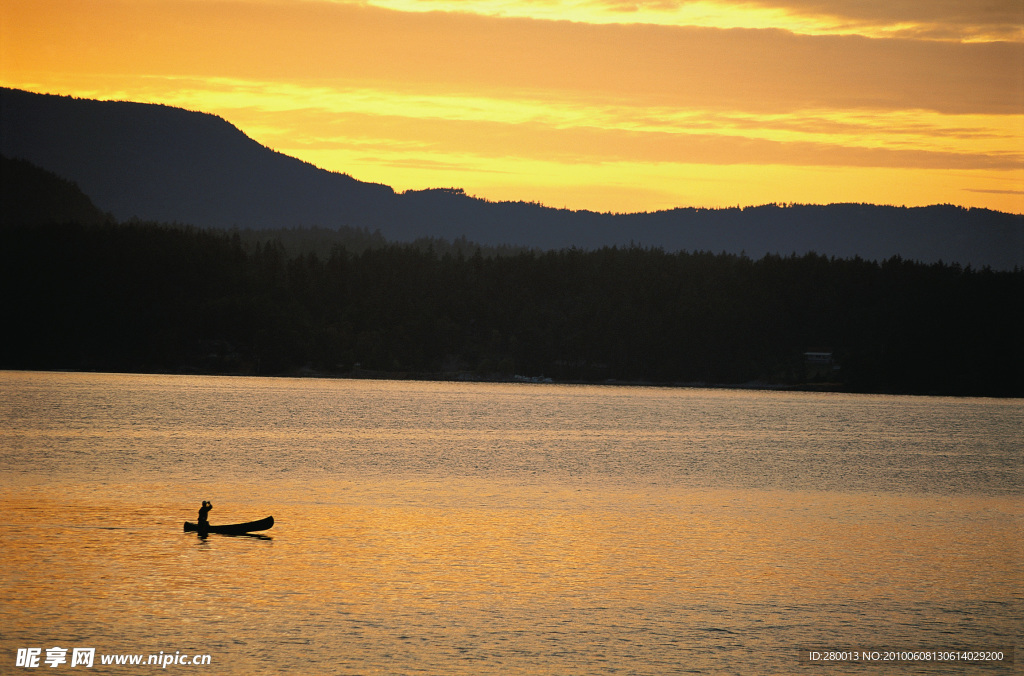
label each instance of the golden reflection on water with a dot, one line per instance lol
(452, 529)
(520, 578)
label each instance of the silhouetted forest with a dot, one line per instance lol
(147, 297)
(30, 195)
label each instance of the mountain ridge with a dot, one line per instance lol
(162, 163)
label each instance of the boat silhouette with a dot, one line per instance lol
(231, 528)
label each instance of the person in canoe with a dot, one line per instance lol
(203, 511)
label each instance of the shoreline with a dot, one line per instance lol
(468, 377)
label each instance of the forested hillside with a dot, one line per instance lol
(144, 297)
(30, 195)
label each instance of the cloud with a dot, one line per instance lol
(748, 70)
(703, 144)
(995, 192)
(947, 19)
(943, 19)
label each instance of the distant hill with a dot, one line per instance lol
(166, 164)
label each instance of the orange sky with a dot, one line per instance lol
(611, 105)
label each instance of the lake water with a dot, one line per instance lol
(469, 528)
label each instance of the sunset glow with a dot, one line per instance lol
(586, 104)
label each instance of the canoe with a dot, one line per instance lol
(232, 528)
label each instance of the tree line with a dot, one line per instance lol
(156, 298)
